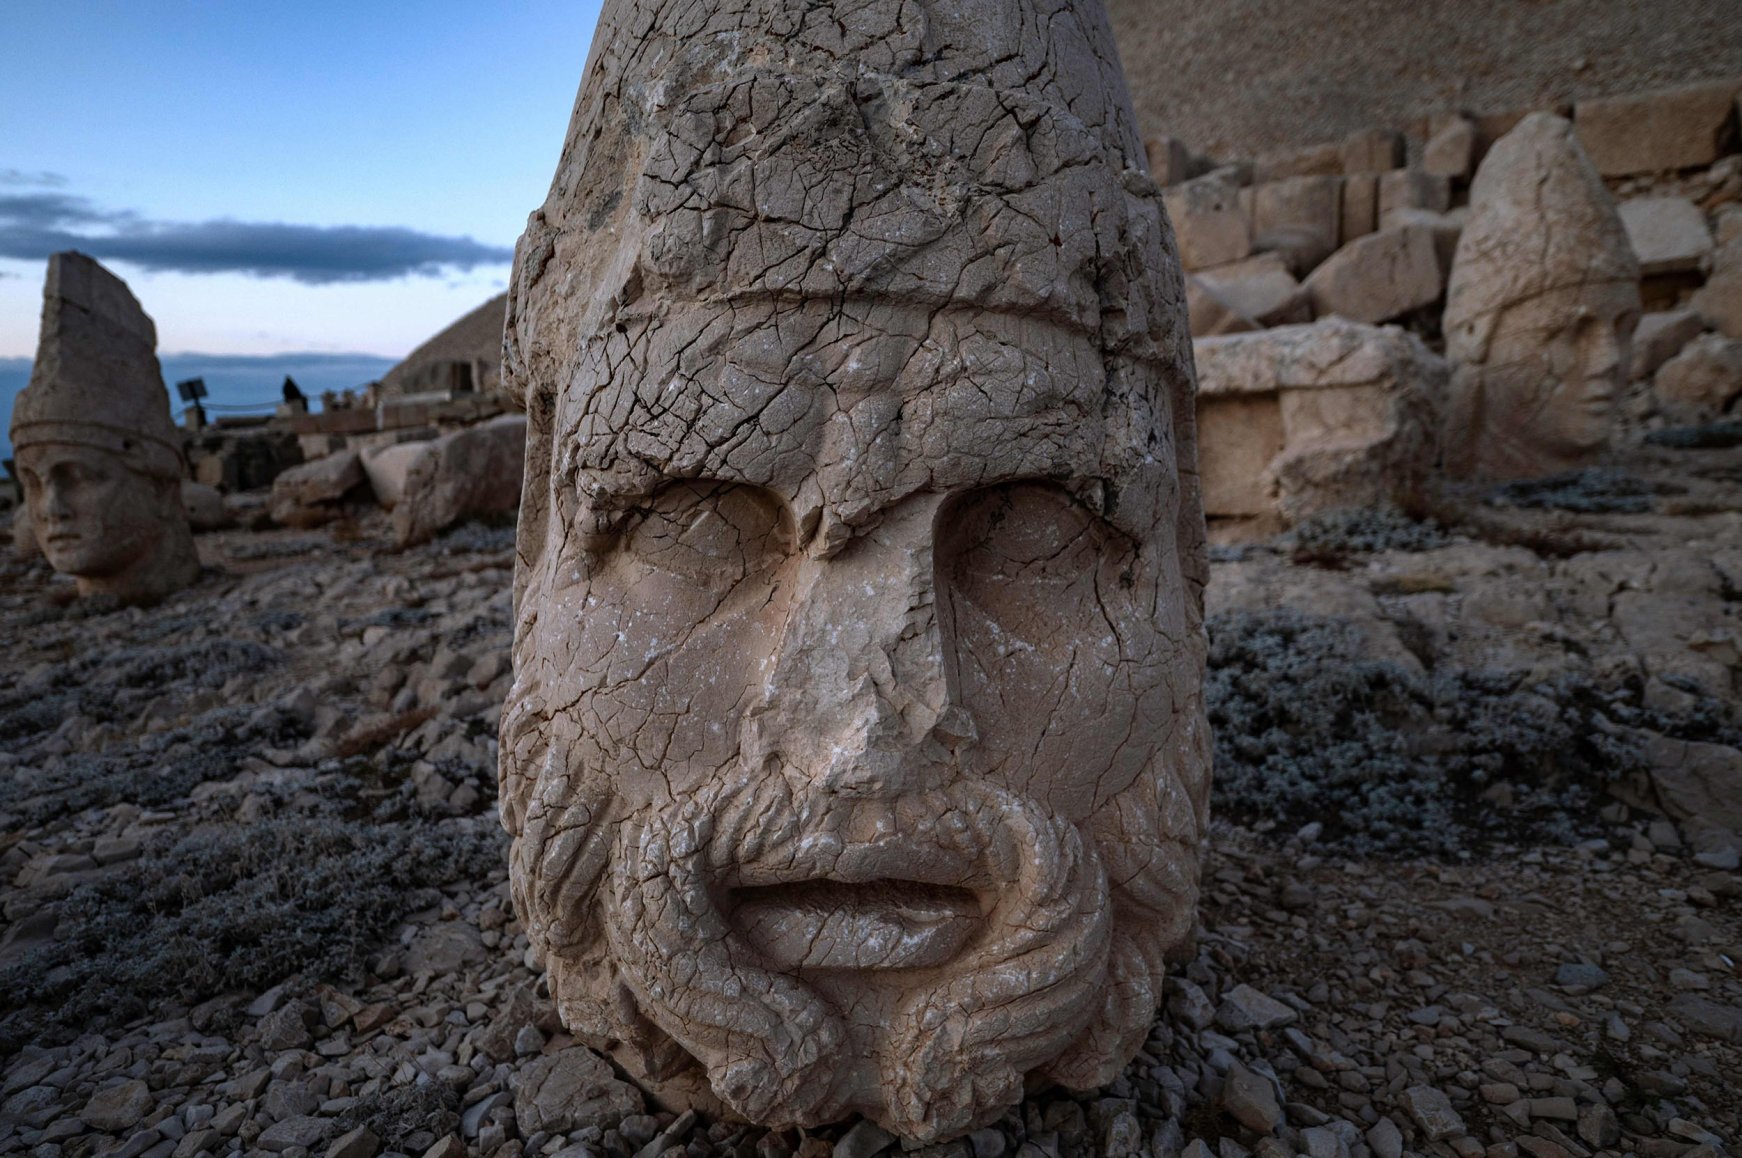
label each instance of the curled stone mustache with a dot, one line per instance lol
(957, 1045)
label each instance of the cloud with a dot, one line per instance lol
(41, 180)
(38, 223)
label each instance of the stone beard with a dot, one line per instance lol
(856, 759)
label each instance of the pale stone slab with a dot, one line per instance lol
(1299, 217)
(1661, 131)
(1303, 419)
(1379, 277)
(1412, 189)
(1213, 314)
(1261, 288)
(1451, 151)
(1210, 225)
(1668, 234)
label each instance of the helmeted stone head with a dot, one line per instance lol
(856, 759)
(96, 450)
(1540, 311)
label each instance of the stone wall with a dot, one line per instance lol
(1242, 78)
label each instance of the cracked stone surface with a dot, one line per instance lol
(1540, 311)
(97, 454)
(855, 758)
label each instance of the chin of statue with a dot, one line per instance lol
(799, 958)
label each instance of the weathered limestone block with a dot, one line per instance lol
(387, 467)
(1261, 288)
(1379, 277)
(1360, 211)
(1407, 189)
(1299, 217)
(1451, 151)
(472, 473)
(1702, 382)
(1303, 419)
(97, 453)
(1719, 301)
(1660, 336)
(1210, 224)
(316, 492)
(1325, 160)
(1373, 151)
(1668, 234)
(1213, 314)
(856, 368)
(204, 506)
(1170, 161)
(1654, 132)
(1543, 299)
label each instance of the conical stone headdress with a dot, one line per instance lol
(96, 381)
(1541, 220)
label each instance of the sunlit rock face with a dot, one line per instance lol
(856, 758)
(1540, 312)
(96, 450)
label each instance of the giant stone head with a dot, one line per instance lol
(856, 759)
(1540, 310)
(96, 450)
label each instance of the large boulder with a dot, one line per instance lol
(1719, 301)
(388, 466)
(1378, 277)
(317, 492)
(1660, 336)
(1702, 382)
(1303, 419)
(469, 474)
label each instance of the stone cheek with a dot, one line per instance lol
(856, 759)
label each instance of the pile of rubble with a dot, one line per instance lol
(1364, 234)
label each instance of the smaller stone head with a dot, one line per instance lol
(1540, 312)
(96, 449)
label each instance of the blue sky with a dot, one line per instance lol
(272, 177)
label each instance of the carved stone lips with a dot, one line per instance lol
(884, 924)
(891, 902)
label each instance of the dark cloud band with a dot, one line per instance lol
(37, 223)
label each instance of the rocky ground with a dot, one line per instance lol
(253, 891)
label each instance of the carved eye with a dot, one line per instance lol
(1025, 552)
(710, 533)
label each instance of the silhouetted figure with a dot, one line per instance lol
(293, 392)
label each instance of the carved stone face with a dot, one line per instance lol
(1554, 369)
(855, 757)
(92, 516)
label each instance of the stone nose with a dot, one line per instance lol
(858, 694)
(53, 501)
